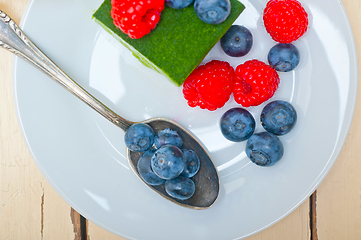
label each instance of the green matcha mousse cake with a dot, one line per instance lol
(179, 42)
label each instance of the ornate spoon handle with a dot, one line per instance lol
(14, 40)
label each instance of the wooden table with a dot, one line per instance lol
(30, 209)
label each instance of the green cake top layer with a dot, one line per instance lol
(178, 43)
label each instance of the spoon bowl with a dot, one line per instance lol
(206, 180)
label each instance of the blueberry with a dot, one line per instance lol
(139, 137)
(191, 163)
(284, 57)
(264, 149)
(237, 41)
(167, 162)
(237, 124)
(145, 171)
(178, 4)
(181, 188)
(278, 117)
(212, 11)
(167, 137)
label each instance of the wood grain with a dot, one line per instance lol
(295, 226)
(338, 204)
(29, 207)
(95, 233)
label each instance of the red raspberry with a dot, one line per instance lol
(136, 17)
(254, 83)
(285, 20)
(209, 86)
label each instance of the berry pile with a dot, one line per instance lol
(254, 82)
(263, 148)
(210, 86)
(163, 160)
(277, 118)
(137, 18)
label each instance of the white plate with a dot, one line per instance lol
(83, 156)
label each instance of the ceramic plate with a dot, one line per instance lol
(82, 155)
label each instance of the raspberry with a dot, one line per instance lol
(209, 86)
(254, 83)
(136, 18)
(285, 20)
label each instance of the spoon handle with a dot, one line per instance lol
(14, 40)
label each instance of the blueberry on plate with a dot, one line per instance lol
(212, 11)
(181, 188)
(167, 162)
(178, 4)
(168, 137)
(145, 170)
(139, 137)
(191, 163)
(278, 117)
(264, 149)
(284, 57)
(237, 124)
(237, 41)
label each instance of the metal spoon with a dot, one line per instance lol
(206, 180)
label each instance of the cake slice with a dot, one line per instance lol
(179, 42)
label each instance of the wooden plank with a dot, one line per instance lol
(295, 226)
(313, 216)
(98, 233)
(76, 219)
(338, 200)
(338, 204)
(29, 207)
(59, 221)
